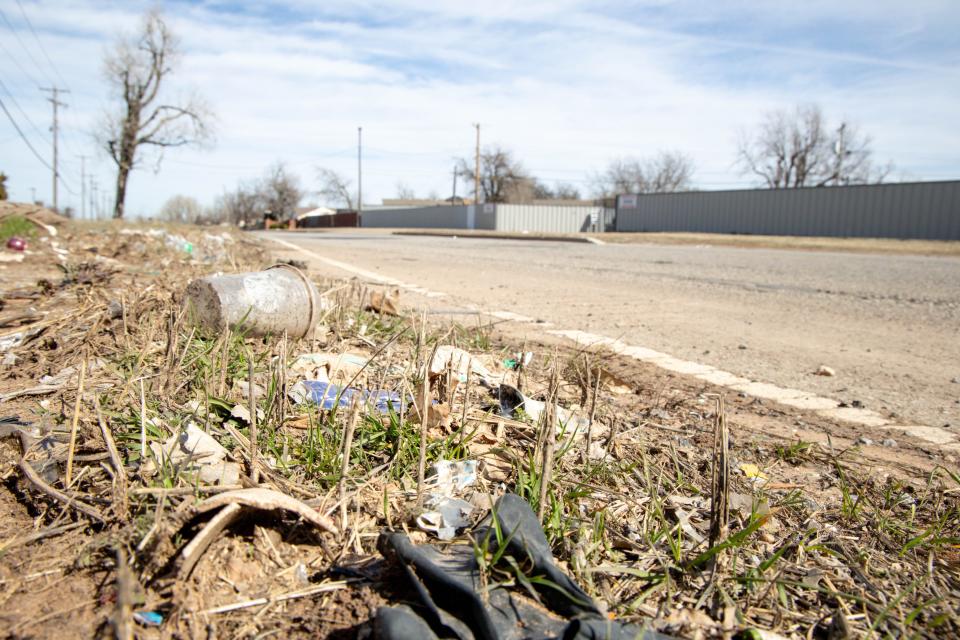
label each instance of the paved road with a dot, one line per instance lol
(889, 325)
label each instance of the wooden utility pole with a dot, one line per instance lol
(476, 169)
(453, 199)
(359, 173)
(83, 186)
(55, 91)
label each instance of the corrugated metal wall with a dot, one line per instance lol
(546, 218)
(417, 218)
(929, 210)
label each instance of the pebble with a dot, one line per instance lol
(824, 370)
(864, 441)
(890, 442)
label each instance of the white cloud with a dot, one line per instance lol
(565, 85)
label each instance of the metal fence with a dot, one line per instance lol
(498, 217)
(928, 210)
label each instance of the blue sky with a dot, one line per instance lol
(565, 85)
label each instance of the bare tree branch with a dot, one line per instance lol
(137, 68)
(666, 172)
(798, 149)
(334, 187)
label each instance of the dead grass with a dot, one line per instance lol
(813, 541)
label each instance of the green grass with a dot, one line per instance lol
(16, 226)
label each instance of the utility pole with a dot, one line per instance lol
(359, 173)
(93, 199)
(33, 195)
(55, 91)
(83, 187)
(453, 200)
(476, 169)
(840, 152)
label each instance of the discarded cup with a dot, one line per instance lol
(272, 301)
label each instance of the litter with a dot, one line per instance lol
(511, 399)
(446, 513)
(447, 356)
(277, 300)
(148, 618)
(328, 395)
(195, 449)
(339, 368)
(384, 303)
(456, 601)
(518, 360)
(753, 472)
(16, 243)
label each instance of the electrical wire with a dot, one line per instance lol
(17, 127)
(23, 45)
(42, 48)
(22, 112)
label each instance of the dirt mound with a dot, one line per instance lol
(33, 212)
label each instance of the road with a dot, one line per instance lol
(889, 325)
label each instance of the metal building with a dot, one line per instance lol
(927, 210)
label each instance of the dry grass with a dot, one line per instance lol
(812, 542)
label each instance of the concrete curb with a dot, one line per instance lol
(494, 235)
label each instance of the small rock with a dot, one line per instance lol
(889, 442)
(864, 441)
(114, 310)
(824, 370)
(742, 347)
(955, 380)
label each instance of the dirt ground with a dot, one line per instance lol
(824, 533)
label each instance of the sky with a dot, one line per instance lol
(566, 86)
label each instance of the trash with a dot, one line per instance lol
(16, 243)
(518, 360)
(193, 448)
(511, 399)
(447, 356)
(328, 367)
(889, 442)
(825, 371)
(447, 513)
(865, 441)
(456, 601)
(178, 242)
(11, 257)
(12, 340)
(148, 618)
(752, 471)
(329, 395)
(279, 299)
(384, 303)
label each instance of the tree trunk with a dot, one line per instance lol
(123, 173)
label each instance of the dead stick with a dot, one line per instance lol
(76, 422)
(422, 461)
(254, 471)
(593, 413)
(345, 465)
(549, 440)
(123, 615)
(143, 424)
(38, 482)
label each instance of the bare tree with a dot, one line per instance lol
(137, 69)
(799, 149)
(666, 172)
(502, 178)
(334, 187)
(405, 191)
(181, 209)
(280, 191)
(3, 186)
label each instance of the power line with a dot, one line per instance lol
(22, 44)
(42, 48)
(22, 112)
(17, 127)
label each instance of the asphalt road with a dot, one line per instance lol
(889, 325)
